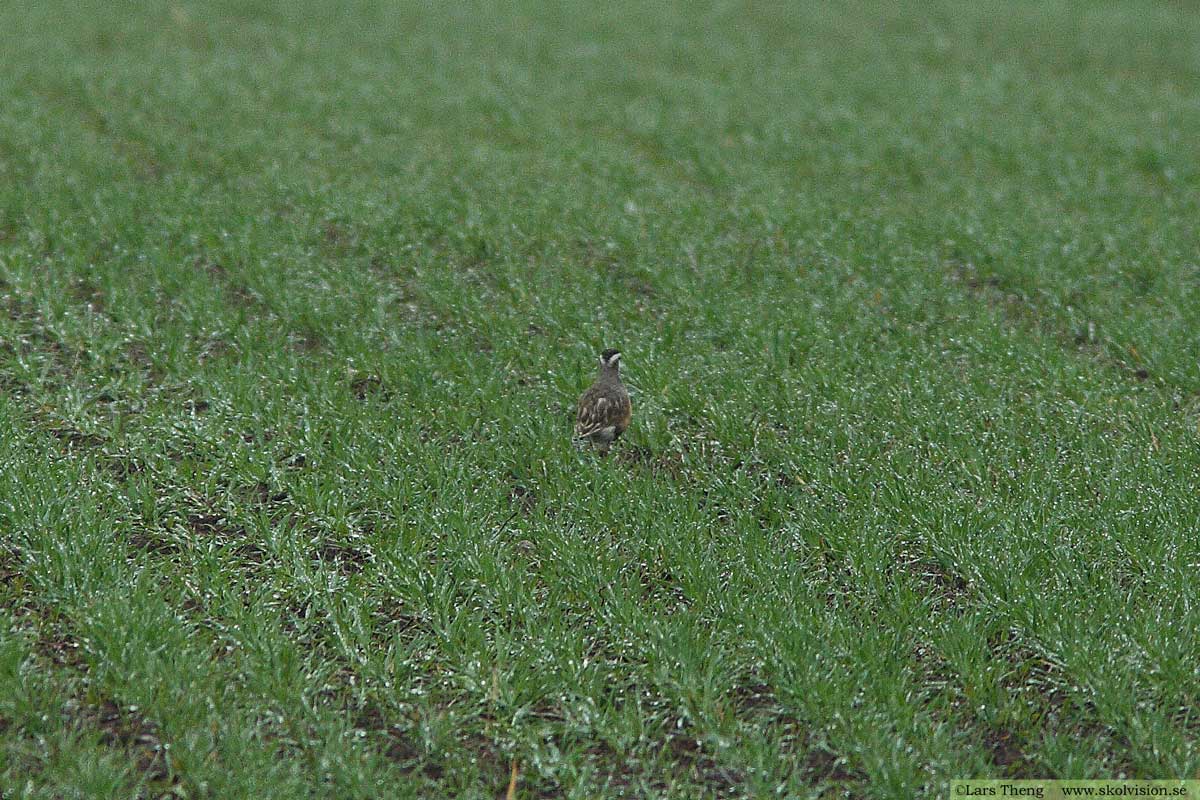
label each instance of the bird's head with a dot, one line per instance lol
(610, 359)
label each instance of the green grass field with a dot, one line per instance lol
(295, 306)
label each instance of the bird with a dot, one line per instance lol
(604, 410)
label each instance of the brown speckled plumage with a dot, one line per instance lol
(604, 410)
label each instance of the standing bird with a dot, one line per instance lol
(604, 409)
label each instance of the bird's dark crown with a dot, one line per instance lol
(608, 354)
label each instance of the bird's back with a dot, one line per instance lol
(605, 405)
